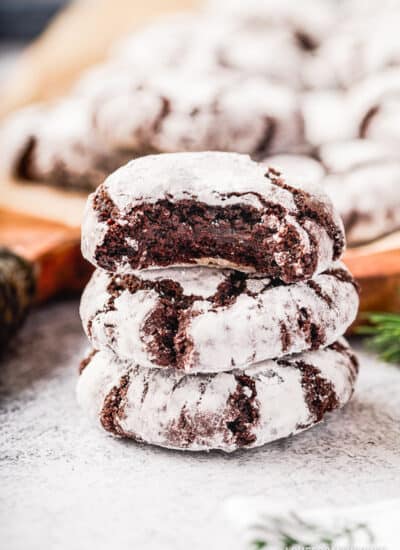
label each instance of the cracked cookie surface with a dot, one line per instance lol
(184, 110)
(209, 320)
(55, 144)
(227, 411)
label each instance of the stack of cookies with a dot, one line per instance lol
(218, 304)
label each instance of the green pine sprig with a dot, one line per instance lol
(383, 330)
(291, 531)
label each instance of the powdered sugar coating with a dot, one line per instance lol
(342, 156)
(226, 411)
(362, 178)
(361, 45)
(211, 177)
(375, 106)
(297, 168)
(215, 179)
(16, 132)
(208, 43)
(310, 18)
(363, 183)
(368, 198)
(222, 321)
(56, 144)
(164, 43)
(184, 110)
(329, 116)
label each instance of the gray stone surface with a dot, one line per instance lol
(66, 485)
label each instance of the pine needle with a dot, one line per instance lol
(383, 331)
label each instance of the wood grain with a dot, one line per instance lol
(52, 247)
(376, 267)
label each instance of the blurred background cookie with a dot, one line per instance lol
(362, 177)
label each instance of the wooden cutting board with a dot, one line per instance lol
(376, 266)
(42, 225)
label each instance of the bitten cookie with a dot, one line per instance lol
(226, 411)
(55, 144)
(210, 208)
(208, 320)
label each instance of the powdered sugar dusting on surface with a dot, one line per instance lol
(182, 110)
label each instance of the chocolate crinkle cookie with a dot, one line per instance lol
(309, 20)
(209, 43)
(236, 352)
(239, 409)
(362, 178)
(75, 143)
(56, 144)
(205, 320)
(173, 111)
(376, 105)
(220, 209)
(359, 46)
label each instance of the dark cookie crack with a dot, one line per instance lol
(311, 209)
(191, 427)
(24, 167)
(85, 362)
(347, 352)
(343, 276)
(267, 138)
(286, 338)
(165, 328)
(319, 394)
(319, 292)
(367, 119)
(314, 334)
(164, 112)
(113, 407)
(243, 408)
